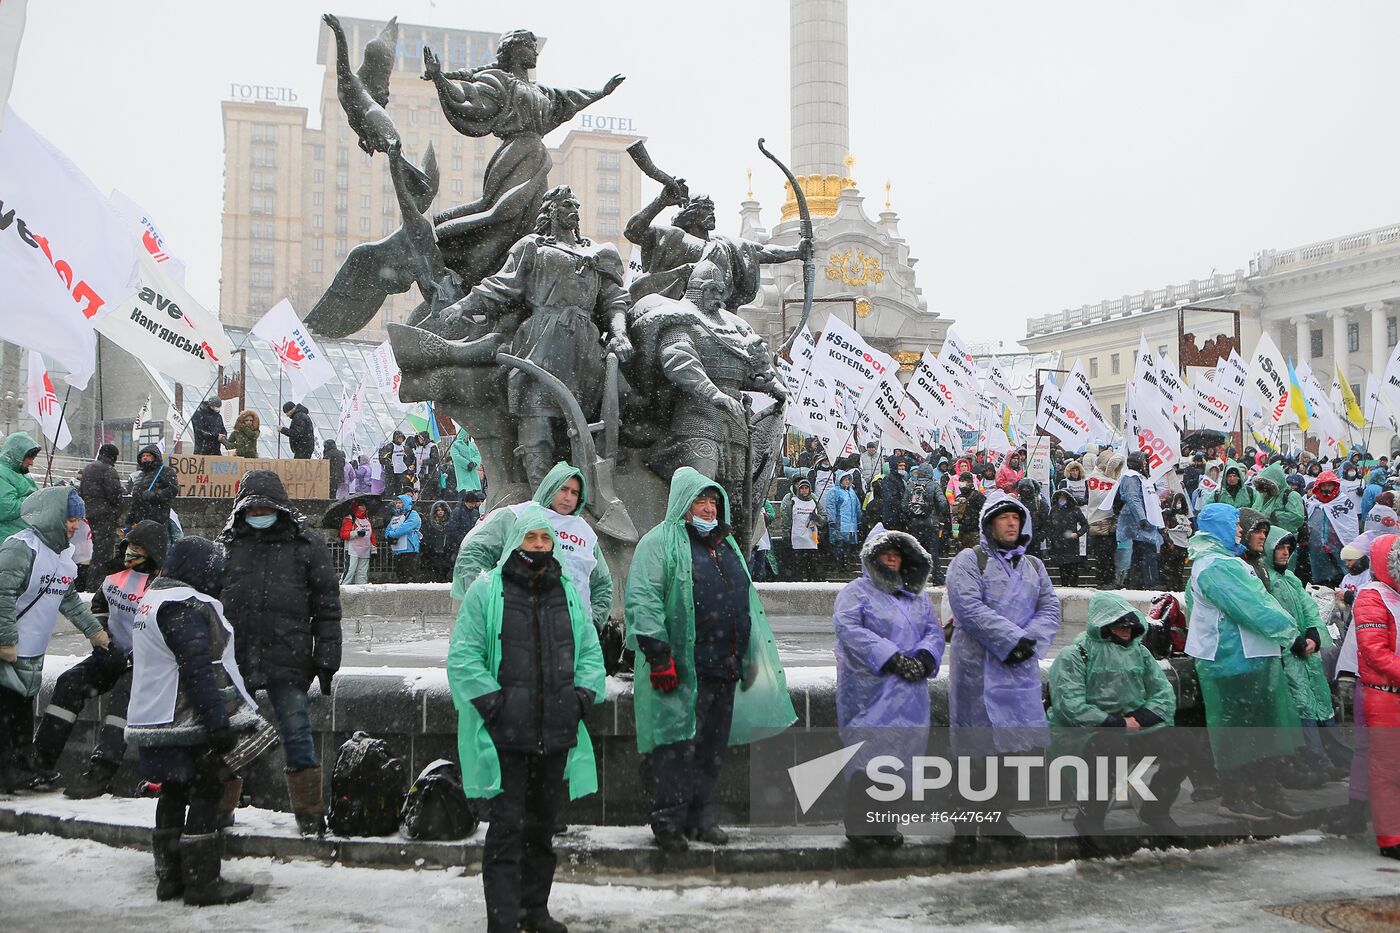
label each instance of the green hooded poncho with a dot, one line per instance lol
(1094, 678)
(46, 512)
(1307, 678)
(466, 458)
(482, 548)
(1239, 691)
(660, 604)
(1284, 509)
(15, 486)
(475, 657)
(1243, 498)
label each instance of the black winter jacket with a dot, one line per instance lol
(281, 591)
(1064, 520)
(152, 490)
(100, 487)
(301, 433)
(722, 622)
(538, 708)
(207, 426)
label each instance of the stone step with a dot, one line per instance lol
(606, 852)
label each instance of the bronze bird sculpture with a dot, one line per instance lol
(365, 93)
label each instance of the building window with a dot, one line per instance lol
(456, 144)
(606, 226)
(340, 248)
(388, 226)
(608, 182)
(318, 152)
(1113, 365)
(1116, 415)
(261, 230)
(342, 156)
(316, 264)
(1390, 337)
(364, 225)
(607, 206)
(317, 221)
(433, 116)
(341, 224)
(478, 165)
(456, 163)
(386, 207)
(264, 133)
(1315, 339)
(1356, 390)
(1093, 367)
(318, 242)
(342, 180)
(264, 158)
(318, 176)
(456, 186)
(609, 161)
(1353, 337)
(262, 204)
(317, 198)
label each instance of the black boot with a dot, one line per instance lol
(1269, 794)
(49, 740)
(1391, 851)
(1088, 825)
(165, 846)
(93, 782)
(541, 922)
(1156, 814)
(199, 857)
(1351, 821)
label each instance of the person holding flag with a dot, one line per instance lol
(1331, 519)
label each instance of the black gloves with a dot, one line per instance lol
(926, 658)
(1024, 651)
(911, 669)
(1145, 717)
(489, 704)
(324, 677)
(223, 740)
(1114, 721)
(585, 701)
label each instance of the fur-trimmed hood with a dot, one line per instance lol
(914, 569)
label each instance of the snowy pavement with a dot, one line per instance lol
(59, 884)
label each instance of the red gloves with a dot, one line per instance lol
(663, 676)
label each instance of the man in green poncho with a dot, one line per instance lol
(1234, 490)
(466, 462)
(524, 667)
(1281, 506)
(1302, 662)
(16, 457)
(563, 495)
(1236, 634)
(1110, 698)
(712, 674)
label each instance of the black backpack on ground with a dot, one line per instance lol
(367, 787)
(435, 806)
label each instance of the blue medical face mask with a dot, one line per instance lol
(261, 521)
(705, 526)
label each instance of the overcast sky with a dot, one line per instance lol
(1043, 155)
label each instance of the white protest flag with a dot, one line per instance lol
(1390, 379)
(1267, 382)
(1211, 410)
(306, 366)
(1145, 375)
(889, 415)
(11, 29)
(1377, 407)
(1326, 423)
(384, 370)
(928, 388)
(162, 325)
(843, 358)
(142, 417)
(994, 440)
(153, 241)
(1170, 385)
(1159, 439)
(956, 355)
(997, 384)
(806, 410)
(1079, 396)
(43, 404)
(634, 267)
(352, 409)
(65, 256)
(1059, 415)
(1236, 377)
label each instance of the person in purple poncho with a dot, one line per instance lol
(889, 642)
(1005, 616)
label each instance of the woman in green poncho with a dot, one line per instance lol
(1236, 633)
(524, 667)
(466, 462)
(1302, 662)
(694, 618)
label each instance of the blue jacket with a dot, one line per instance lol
(403, 529)
(1132, 517)
(1375, 485)
(842, 506)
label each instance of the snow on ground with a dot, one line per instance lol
(58, 884)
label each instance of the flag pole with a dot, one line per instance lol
(48, 470)
(280, 403)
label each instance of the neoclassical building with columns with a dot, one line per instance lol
(1329, 303)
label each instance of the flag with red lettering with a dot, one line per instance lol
(65, 256)
(845, 360)
(304, 363)
(44, 405)
(11, 29)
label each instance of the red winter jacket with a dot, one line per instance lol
(347, 528)
(1377, 661)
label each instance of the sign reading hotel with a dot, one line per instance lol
(220, 477)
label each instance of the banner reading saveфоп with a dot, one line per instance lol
(219, 477)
